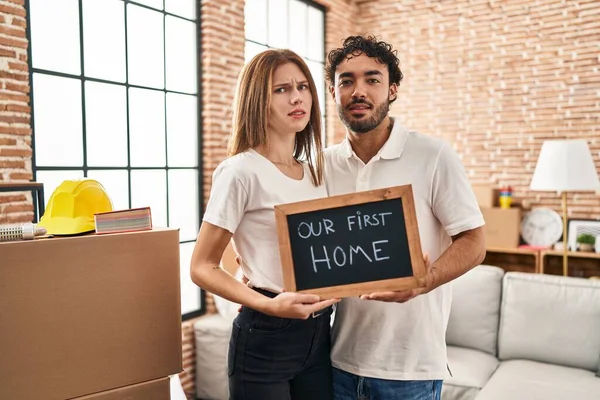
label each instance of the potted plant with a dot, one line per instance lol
(586, 242)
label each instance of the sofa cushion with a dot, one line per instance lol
(551, 319)
(530, 380)
(471, 369)
(212, 334)
(475, 309)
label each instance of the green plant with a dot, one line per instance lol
(586, 238)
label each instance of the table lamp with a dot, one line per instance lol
(565, 166)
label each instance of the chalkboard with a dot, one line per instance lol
(351, 244)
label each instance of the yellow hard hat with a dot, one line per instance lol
(72, 206)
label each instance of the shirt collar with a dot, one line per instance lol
(391, 149)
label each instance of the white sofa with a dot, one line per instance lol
(512, 336)
(523, 336)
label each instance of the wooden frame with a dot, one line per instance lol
(412, 233)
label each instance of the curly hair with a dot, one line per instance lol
(356, 45)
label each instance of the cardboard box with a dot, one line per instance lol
(85, 314)
(159, 389)
(502, 227)
(486, 195)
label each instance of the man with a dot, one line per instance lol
(391, 345)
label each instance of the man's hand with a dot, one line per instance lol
(402, 296)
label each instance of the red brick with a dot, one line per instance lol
(16, 119)
(12, 198)
(15, 32)
(7, 142)
(8, 53)
(16, 219)
(15, 208)
(16, 87)
(18, 108)
(12, 10)
(11, 164)
(15, 152)
(13, 130)
(19, 22)
(10, 75)
(19, 66)
(19, 2)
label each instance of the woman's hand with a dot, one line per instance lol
(295, 305)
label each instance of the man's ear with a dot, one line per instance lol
(393, 95)
(332, 92)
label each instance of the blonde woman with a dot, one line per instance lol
(280, 343)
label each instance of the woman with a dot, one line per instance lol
(279, 347)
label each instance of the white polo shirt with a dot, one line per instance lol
(392, 340)
(245, 189)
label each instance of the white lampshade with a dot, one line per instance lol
(565, 166)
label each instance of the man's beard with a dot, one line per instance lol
(365, 124)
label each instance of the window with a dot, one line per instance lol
(115, 98)
(294, 24)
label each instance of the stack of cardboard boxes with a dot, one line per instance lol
(94, 317)
(502, 225)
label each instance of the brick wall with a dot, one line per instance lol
(497, 78)
(15, 130)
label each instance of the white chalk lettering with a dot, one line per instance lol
(311, 229)
(315, 260)
(307, 233)
(383, 217)
(328, 226)
(365, 220)
(336, 251)
(376, 250)
(351, 221)
(355, 250)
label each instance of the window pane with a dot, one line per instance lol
(278, 23)
(183, 203)
(255, 16)
(57, 104)
(184, 8)
(52, 179)
(318, 73)
(316, 37)
(253, 49)
(104, 49)
(182, 130)
(145, 47)
(149, 189)
(190, 293)
(116, 184)
(158, 4)
(182, 68)
(297, 27)
(147, 128)
(106, 137)
(55, 35)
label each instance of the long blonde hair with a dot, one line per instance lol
(253, 102)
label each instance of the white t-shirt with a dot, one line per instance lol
(245, 188)
(392, 340)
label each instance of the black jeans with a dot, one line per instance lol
(272, 358)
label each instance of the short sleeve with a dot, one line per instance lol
(228, 199)
(453, 200)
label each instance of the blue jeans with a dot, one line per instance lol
(347, 386)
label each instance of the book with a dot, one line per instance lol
(135, 219)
